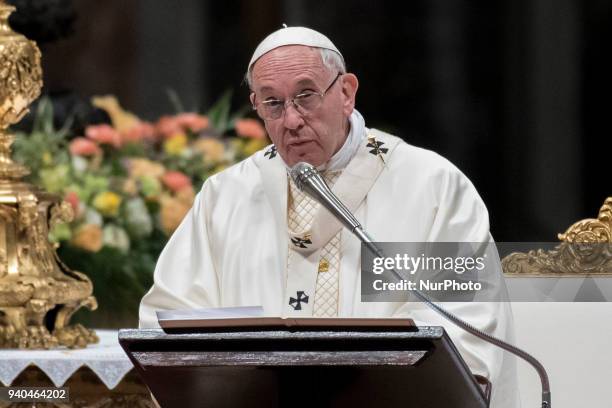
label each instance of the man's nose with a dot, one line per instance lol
(293, 118)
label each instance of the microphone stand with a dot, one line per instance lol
(308, 179)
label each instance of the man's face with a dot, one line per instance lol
(287, 71)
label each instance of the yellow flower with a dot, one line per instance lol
(176, 144)
(130, 186)
(219, 168)
(122, 119)
(211, 149)
(139, 167)
(254, 145)
(46, 158)
(107, 203)
(172, 212)
(88, 237)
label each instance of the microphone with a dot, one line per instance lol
(308, 180)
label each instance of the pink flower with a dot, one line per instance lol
(73, 199)
(104, 134)
(192, 121)
(168, 126)
(81, 146)
(250, 128)
(138, 132)
(171, 125)
(176, 181)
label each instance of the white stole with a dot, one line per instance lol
(351, 188)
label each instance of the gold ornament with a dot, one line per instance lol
(38, 293)
(586, 249)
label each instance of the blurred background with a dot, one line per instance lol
(514, 92)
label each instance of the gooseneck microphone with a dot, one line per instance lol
(308, 180)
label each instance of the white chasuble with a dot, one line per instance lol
(236, 247)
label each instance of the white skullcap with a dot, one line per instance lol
(292, 36)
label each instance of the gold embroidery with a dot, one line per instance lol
(323, 265)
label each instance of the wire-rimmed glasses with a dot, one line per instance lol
(305, 103)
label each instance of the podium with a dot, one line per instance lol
(419, 367)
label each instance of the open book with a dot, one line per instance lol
(191, 320)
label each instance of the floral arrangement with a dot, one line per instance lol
(130, 183)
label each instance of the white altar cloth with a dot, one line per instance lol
(106, 358)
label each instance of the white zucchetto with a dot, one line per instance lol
(292, 36)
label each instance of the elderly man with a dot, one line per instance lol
(252, 238)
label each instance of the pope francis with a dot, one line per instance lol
(253, 238)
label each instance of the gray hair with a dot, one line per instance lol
(331, 60)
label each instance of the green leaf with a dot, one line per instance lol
(218, 115)
(239, 114)
(175, 100)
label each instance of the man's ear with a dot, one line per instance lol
(252, 98)
(350, 83)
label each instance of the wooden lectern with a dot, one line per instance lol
(419, 367)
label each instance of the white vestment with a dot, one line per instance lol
(232, 247)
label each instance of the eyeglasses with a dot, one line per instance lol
(305, 103)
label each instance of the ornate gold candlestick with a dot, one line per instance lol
(38, 293)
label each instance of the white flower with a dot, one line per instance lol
(79, 164)
(137, 218)
(115, 237)
(93, 217)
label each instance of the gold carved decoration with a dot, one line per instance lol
(585, 249)
(38, 293)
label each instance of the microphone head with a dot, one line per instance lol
(307, 178)
(301, 172)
